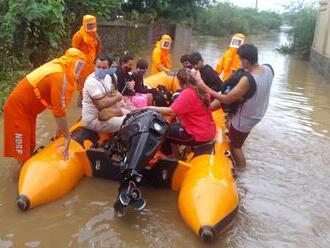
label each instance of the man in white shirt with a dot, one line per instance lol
(99, 96)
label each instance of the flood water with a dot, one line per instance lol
(283, 190)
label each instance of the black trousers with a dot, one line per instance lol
(178, 135)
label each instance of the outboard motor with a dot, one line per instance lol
(142, 133)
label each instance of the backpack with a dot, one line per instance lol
(162, 96)
(232, 81)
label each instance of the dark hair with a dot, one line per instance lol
(195, 57)
(248, 52)
(185, 78)
(184, 58)
(142, 64)
(103, 57)
(125, 58)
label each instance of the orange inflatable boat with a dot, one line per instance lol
(208, 198)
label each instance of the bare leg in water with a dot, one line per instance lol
(239, 158)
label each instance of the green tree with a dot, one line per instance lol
(31, 28)
(33, 31)
(303, 31)
(76, 9)
(225, 19)
(182, 10)
(38, 28)
(302, 17)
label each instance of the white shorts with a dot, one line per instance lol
(109, 126)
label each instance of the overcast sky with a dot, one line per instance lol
(275, 5)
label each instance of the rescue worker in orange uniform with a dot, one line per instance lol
(230, 62)
(49, 86)
(161, 60)
(88, 41)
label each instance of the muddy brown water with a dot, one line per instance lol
(283, 190)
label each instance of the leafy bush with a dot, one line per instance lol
(38, 28)
(8, 82)
(33, 31)
(167, 10)
(302, 18)
(31, 28)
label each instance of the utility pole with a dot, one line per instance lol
(257, 5)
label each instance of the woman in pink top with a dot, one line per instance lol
(196, 124)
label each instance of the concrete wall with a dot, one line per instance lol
(157, 30)
(119, 37)
(322, 29)
(320, 52)
(183, 36)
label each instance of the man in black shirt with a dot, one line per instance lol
(209, 76)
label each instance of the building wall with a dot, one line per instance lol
(119, 37)
(321, 28)
(320, 52)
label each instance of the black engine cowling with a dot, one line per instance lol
(142, 133)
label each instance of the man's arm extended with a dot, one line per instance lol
(234, 95)
(163, 110)
(62, 128)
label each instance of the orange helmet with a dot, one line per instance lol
(89, 23)
(237, 40)
(166, 41)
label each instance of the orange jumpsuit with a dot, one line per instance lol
(228, 63)
(55, 83)
(161, 55)
(90, 44)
